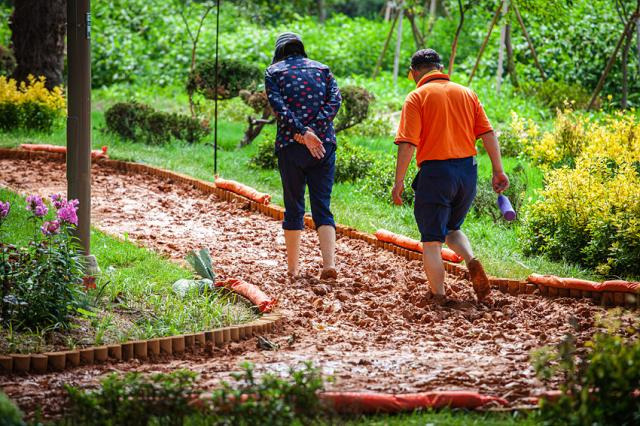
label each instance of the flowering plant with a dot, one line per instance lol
(41, 282)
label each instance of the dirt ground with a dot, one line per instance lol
(375, 328)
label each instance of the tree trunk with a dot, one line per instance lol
(610, 62)
(454, 45)
(625, 70)
(384, 48)
(396, 58)
(511, 63)
(638, 42)
(432, 17)
(417, 35)
(484, 43)
(322, 11)
(501, 48)
(255, 127)
(38, 30)
(529, 41)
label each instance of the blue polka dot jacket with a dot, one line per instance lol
(303, 94)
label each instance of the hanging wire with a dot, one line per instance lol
(215, 118)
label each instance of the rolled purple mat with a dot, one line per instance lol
(505, 207)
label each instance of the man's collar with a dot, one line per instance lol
(432, 75)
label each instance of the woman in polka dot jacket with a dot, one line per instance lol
(305, 99)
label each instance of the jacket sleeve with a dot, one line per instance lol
(283, 114)
(333, 100)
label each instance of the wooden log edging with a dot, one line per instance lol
(505, 285)
(143, 350)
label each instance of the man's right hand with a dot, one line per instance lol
(312, 142)
(396, 193)
(500, 182)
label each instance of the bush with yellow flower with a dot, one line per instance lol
(29, 105)
(589, 210)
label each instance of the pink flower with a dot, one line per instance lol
(36, 206)
(67, 213)
(4, 209)
(57, 200)
(50, 227)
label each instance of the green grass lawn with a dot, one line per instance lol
(448, 418)
(137, 301)
(497, 244)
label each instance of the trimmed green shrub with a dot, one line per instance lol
(9, 116)
(599, 388)
(558, 94)
(380, 180)
(355, 107)
(135, 121)
(352, 161)
(265, 156)
(485, 203)
(7, 61)
(124, 119)
(373, 127)
(233, 76)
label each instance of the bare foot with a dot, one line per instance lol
(329, 274)
(293, 274)
(479, 279)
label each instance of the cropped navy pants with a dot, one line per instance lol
(298, 168)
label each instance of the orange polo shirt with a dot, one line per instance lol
(442, 119)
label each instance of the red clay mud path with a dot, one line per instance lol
(375, 328)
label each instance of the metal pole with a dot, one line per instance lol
(215, 99)
(503, 37)
(79, 121)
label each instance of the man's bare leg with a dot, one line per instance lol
(327, 237)
(459, 243)
(292, 241)
(433, 266)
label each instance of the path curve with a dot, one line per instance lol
(375, 328)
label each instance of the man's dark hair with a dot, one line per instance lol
(426, 58)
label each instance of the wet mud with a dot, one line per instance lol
(374, 328)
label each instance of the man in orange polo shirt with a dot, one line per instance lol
(442, 120)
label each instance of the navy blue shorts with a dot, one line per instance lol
(444, 191)
(298, 169)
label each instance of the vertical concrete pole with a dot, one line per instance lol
(79, 120)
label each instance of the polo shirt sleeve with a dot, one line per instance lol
(410, 127)
(482, 124)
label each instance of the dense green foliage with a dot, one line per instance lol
(134, 399)
(135, 121)
(233, 76)
(352, 161)
(10, 415)
(7, 61)
(354, 108)
(597, 390)
(486, 199)
(173, 399)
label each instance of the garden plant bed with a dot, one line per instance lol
(375, 328)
